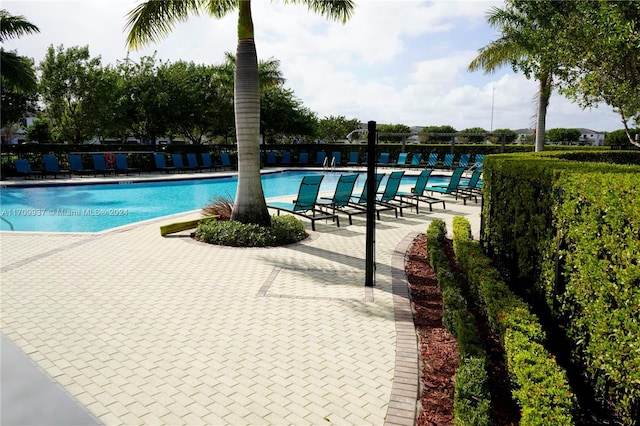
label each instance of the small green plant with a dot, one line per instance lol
(283, 230)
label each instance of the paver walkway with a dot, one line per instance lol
(142, 329)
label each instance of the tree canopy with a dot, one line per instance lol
(564, 135)
(446, 131)
(332, 128)
(600, 46)
(149, 99)
(590, 48)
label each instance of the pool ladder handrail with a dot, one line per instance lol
(10, 224)
(325, 163)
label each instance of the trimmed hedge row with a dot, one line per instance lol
(540, 385)
(615, 157)
(567, 234)
(472, 400)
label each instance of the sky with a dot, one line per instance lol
(393, 62)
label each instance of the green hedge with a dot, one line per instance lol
(472, 400)
(540, 385)
(567, 233)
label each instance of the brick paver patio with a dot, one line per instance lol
(142, 329)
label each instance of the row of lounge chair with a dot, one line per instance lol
(404, 160)
(117, 163)
(178, 165)
(52, 168)
(310, 205)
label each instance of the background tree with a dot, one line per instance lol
(148, 87)
(564, 135)
(475, 138)
(269, 72)
(613, 78)
(196, 100)
(113, 112)
(446, 133)
(527, 44)
(620, 137)
(280, 102)
(16, 106)
(69, 81)
(392, 128)
(508, 135)
(102, 102)
(39, 131)
(17, 76)
(152, 20)
(283, 115)
(333, 128)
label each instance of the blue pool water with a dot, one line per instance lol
(93, 208)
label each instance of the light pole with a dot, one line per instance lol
(493, 95)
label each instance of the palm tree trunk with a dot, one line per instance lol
(250, 205)
(543, 102)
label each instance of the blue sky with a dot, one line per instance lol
(395, 61)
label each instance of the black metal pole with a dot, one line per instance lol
(371, 206)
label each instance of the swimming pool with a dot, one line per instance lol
(94, 208)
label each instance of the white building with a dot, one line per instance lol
(591, 137)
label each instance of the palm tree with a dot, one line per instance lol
(18, 73)
(269, 71)
(518, 49)
(152, 20)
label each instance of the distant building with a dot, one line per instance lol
(15, 133)
(591, 137)
(524, 135)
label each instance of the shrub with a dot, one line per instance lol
(564, 229)
(472, 400)
(283, 230)
(472, 404)
(541, 387)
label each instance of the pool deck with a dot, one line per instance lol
(128, 327)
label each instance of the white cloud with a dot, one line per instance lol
(395, 61)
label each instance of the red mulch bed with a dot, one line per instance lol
(439, 349)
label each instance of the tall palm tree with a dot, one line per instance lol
(269, 71)
(152, 20)
(516, 48)
(18, 73)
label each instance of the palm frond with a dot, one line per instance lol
(270, 73)
(496, 54)
(218, 8)
(336, 10)
(151, 21)
(17, 72)
(500, 18)
(12, 26)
